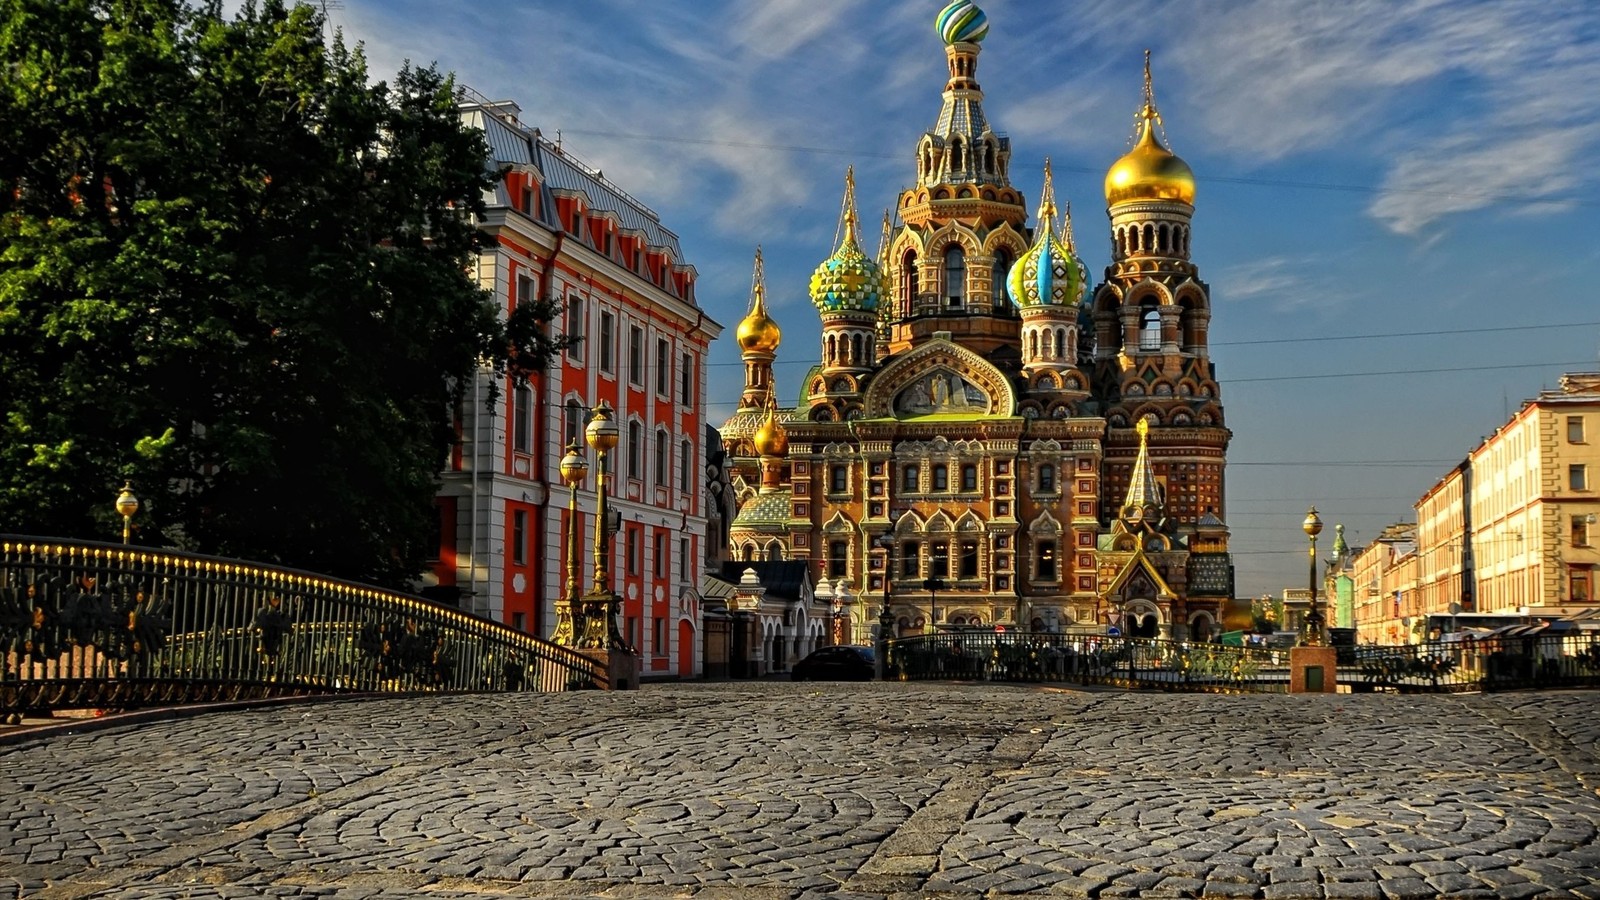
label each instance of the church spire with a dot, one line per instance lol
(1144, 492)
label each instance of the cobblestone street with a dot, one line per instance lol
(777, 790)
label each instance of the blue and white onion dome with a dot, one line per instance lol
(962, 21)
(849, 280)
(1050, 273)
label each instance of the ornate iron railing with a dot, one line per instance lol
(1502, 662)
(88, 625)
(1086, 659)
(1492, 663)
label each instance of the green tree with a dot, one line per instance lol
(235, 271)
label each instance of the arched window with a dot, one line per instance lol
(908, 282)
(1149, 326)
(1002, 270)
(1161, 238)
(955, 277)
(958, 158)
(857, 355)
(1149, 242)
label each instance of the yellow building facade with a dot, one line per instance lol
(987, 438)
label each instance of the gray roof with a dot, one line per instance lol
(511, 143)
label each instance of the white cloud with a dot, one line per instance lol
(1279, 280)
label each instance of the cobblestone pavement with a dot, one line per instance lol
(773, 790)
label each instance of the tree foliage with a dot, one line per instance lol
(236, 272)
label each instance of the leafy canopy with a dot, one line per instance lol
(236, 272)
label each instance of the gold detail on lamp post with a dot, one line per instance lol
(600, 614)
(1313, 630)
(574, 468)
(127, 505)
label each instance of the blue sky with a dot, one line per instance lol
(1405, 186)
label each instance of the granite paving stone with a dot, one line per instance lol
(700, 791)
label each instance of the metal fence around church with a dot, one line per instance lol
(106, 626)
(1496, 662)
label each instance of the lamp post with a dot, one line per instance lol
(838, 620)
(934, 585)
(842, 601)
(886, 615)
(569, 623)
(600, 626)
(1313, 630)
(127, 505)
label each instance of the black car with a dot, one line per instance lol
(846, 662)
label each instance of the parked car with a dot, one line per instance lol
(844, 662)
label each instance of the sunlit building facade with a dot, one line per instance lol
(563, 233)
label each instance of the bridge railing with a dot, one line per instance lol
(1089, 658)
(89, 625)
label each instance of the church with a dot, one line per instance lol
(988, 439)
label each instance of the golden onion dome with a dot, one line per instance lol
(1149, 171)
(771, 439)
(758, 332)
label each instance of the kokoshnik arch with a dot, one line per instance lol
(1051, 456)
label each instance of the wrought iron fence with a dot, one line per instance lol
(87, 625)
(1086, 659)
(1502, 662)
(1491, 663)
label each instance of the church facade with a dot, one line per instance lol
(987, 439)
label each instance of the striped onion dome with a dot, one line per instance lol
(1050, 273)
(962, 21)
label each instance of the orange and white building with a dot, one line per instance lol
(563, 233)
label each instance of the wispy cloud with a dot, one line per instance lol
(1280, 281)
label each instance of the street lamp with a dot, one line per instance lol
(842, 601)
(600, 627)
(127, 505)
(886, 615)
(574, 468)
(934, 585)
(1313, 631)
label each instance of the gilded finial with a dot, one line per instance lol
(1144, 431)
(884, 238)
(1047, 198)
(1066, 227)
(758, 286)
(758, 332)
(847, 217)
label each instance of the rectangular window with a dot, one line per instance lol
(661, 459)
(1047, 479)
(683, 557)
(910, 477)
(911, 559)
(636, 356)
(1578, 477)
(521, 417)
(686, 380)
(1580, 531)
(838, 559)
(1047, 560)
(838, 479)
(659, 641)
(635, 549)
(941, 477)
(635, 451)
(661, 555)
(572, 424)
(939, 560)
(1579, 579)
(575, 326)
(663, 370)
(1574, 429)
(685, 466)
(608, 326)
(519, 537)
(519, 621)
(969, 477)
(969, 559)
(524, 290)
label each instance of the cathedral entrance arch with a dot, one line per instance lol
(1141, 618)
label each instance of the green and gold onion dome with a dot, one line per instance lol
(1149, 171)
(1049, 273)
(962, 22)
(849, 280)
